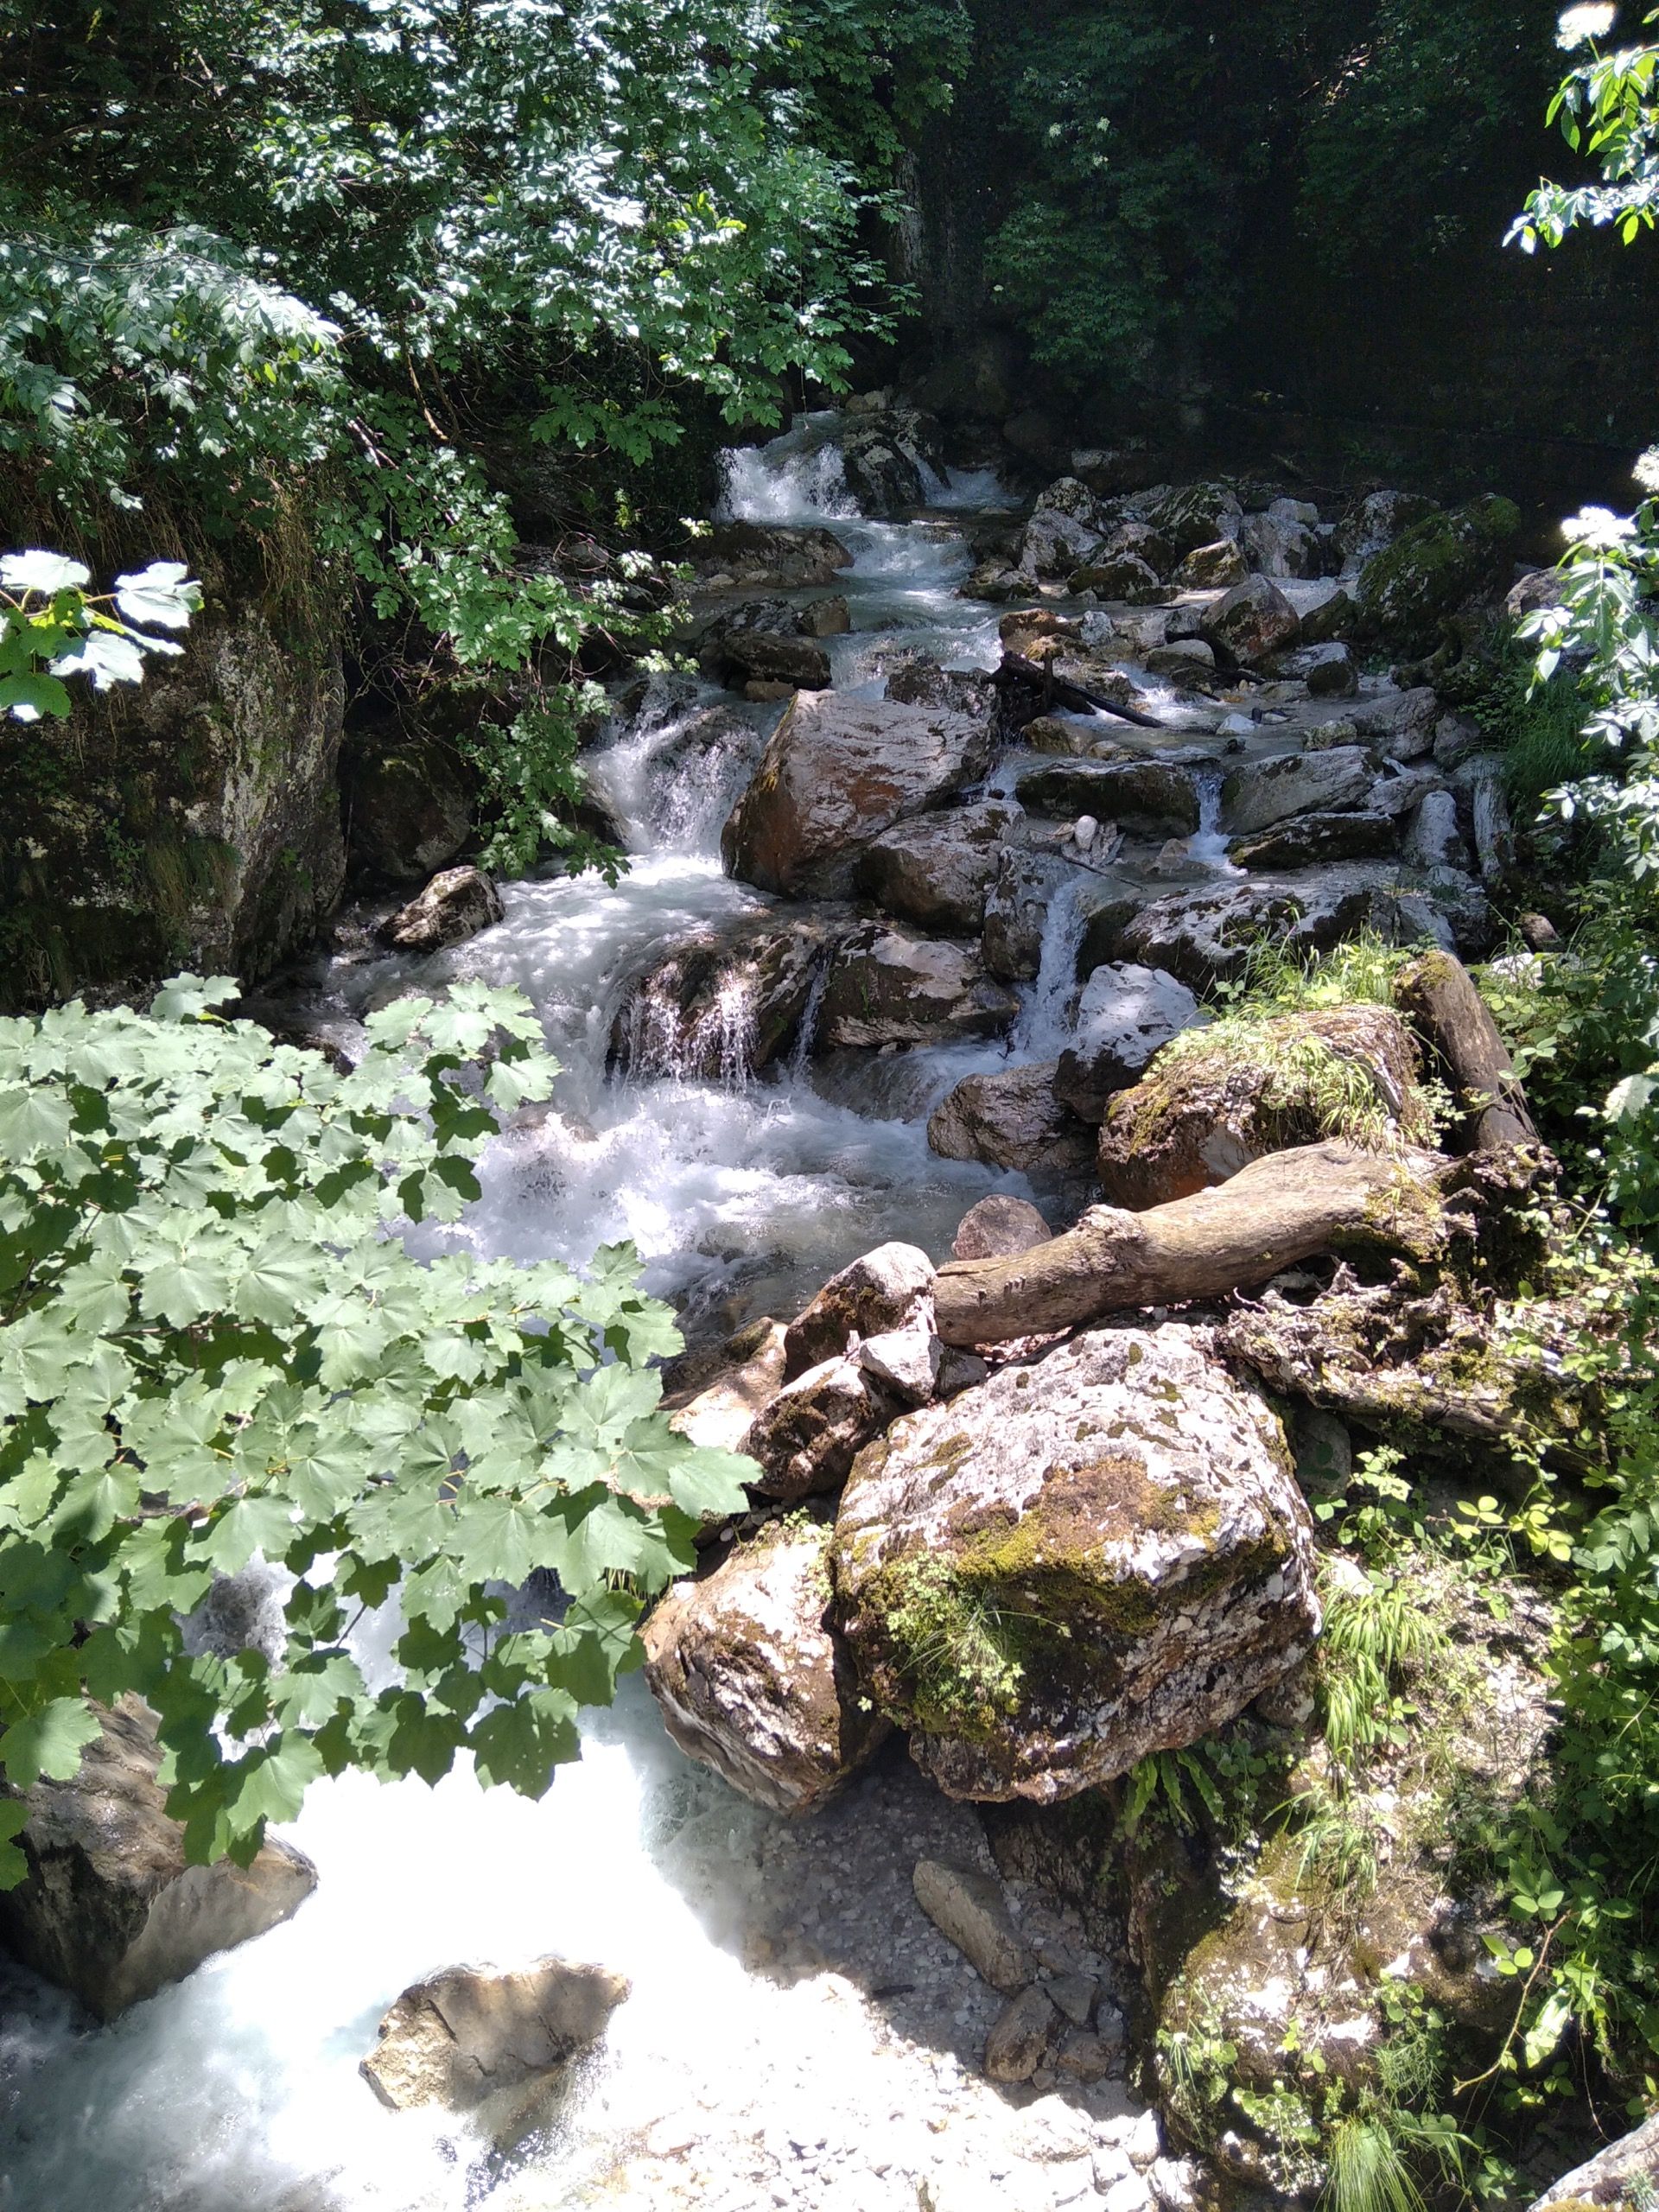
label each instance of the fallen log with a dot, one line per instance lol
(1057, 692)
(1287, 1207)
(1437, 994)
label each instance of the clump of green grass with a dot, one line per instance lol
(1367, 2172)
(1308, 1089)
(954, 1646)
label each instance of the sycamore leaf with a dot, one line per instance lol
(48, 1742)
(14, 1867)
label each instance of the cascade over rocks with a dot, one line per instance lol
(751, 1679)
(836, 773)
(110, 1909)
(770, 557)
(1075, 1564)
(457, 2039)
(728, 1002)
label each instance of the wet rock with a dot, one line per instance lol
(406, 810)
(1199, 514)
(1203, 936)
(752, 1680)
(1212, 567)
(1081, 1561)
(1126, 1015)
(454, 907)
(1019, 2042)
(969, 1910)
(1328, 671)
(936, 872)
(837, 774)
(883, 456)
(767, 642)
(888, 988)
(109, 1909)
(456, 2039)
(1270, 791)
(786, 559)
(1116, 575)
(916, 680)
(1200, 1115)
(1012, 1119)
(1056, 544)
(1314, 840)
(728, 1002)
(1149, 797)
(891, 1288)
(1432, 568)
(1016, 916)
(997, 1226)
(1185, 658)
(805, 1442)
(1252, 622)
(719, 1415)
(1375, 521)
(1626, 2174)
(994, 580)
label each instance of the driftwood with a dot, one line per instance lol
(1438, 996)
(1276, 1211)
(1057, 692)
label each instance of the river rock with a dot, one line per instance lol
(728, 1001)
(805, 1440)
(1204, 935)
(891, 1288)
(1212, 567)
(455, 906)
(1314, 840)
(770, 555)
(1012, 1119)
(1055, 544)
(1182, 659)
(765, 643)
(1252, 622)
(916, 679)
(1116, 575)
(456, 2039)
(109, 1909)
(719, 1415)
(1016, 915)
(1126, 1014)
(969, 1909)
(838, 772)
(1375, 521)
(888, 988)
(1328, 671)
(1433, 838)
(1406, 591)
(1623, 2175)
(937, 871)
(1281, 542)
(998, 1226)
(1269, 792)
(1019, 2042)
(1151, 798)
(752, 1680)
(906, 1362)
(1196, 1117)
(1399, 724)
(1197, 514)
(1081, 1561)
(881, 461)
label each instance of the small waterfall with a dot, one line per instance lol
(720, 1045)
(800, 1058)
(1208, 843)
(673, 779)
(798, 477)
(1045, 1027)
(706, 1034)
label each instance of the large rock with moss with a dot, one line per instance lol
(1407, 590)
(1074, 1564)
(836, 773)
(1207, 935)
(753, 1681)
(1623, 2177)
(191, 821)
(1220, 1098)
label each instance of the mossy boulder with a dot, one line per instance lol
(1406, 591)
(1081, 1560)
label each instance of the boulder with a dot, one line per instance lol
(1012, 1119)
(1151, 798)
(936, 872)
(994, 580)
(1019, 2042)
(728, 1001)
(406, 810)
(882, 457)
(1054, 544)
(1112, 573)
(458, 2038)
(454, 907)
(838, 772)
(1333, 618)
(1406, 591)
(1399, 724)
(720, 1413)
(1183, 659)
(1212, 567)
(1282, 542)
(1016, 916)
(759, 649)
(1230, 1095)
(1314, 840)
(1252, 622)
(1375, 521)
(1078, 1563)
(110, 1909)
(887, 987)
(906, 1362)
(1625, 2175)
(891, 1288)
(1433, 837)
(770, 555)
(805, 1440)
(1203, 937)
(916, 679)
(751, 1679)
(997, 1226)
(1197, 514)
(1328, 671)
(1126, 1014)
(1269, 792)
(969, 1910)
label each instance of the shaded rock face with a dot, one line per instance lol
(888, 1288)
(751, 1680)
(936, 872)
(192, 820)
(1150, 797)
(1074, 1565)
(783, 559)
(1375, 521)
(969, 1909)
(1126, 1014)
(767, 641)
(729, 1003)
(1196, 1117)
(888, 988)
(1253, 621)
(456, 2039)
(1407, 589)
(1270, 791)
(997, 1226)
(718, 1415)
(454, 907)
(406, 812)
(837, 774)
(110, 1909)
(1314, 840)
(1012, 1119)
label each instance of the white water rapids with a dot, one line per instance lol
(717, 2084)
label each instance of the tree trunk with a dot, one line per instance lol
(1057, 692)
(1437, 995)
(1275, 1212)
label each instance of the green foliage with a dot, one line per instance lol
(1539, 728)
(961, 1664)
(214, 1347)
(52, 628)
(1367, 2172)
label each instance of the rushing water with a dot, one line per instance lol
(239, 2088)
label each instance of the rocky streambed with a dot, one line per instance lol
(969, 809)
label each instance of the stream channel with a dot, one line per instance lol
(798, 2032)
